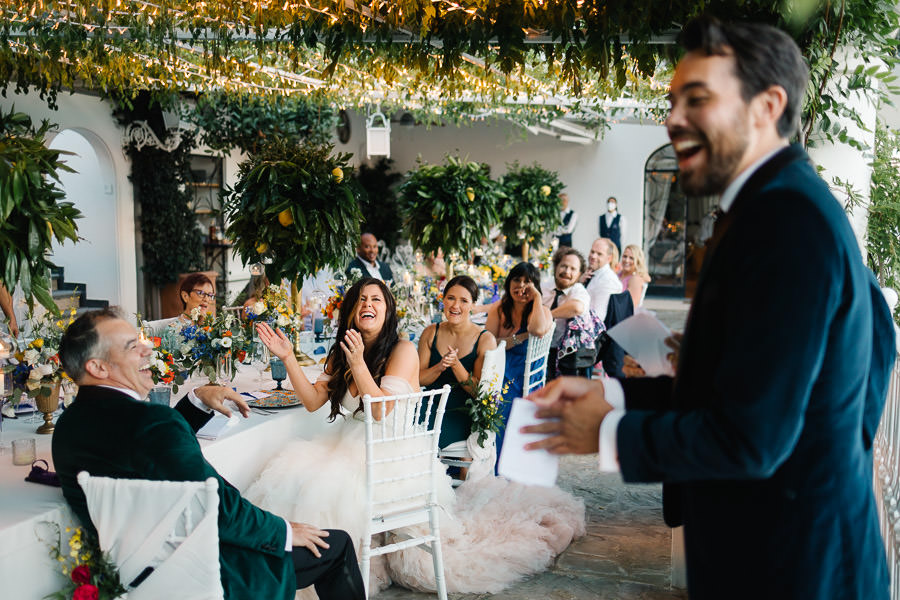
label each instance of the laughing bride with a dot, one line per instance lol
(493, 532)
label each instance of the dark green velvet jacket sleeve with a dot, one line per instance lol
(166, 448)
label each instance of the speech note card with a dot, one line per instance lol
(643, 336)
(531, 467)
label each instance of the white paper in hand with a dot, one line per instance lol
(643, 336)
(531, 467)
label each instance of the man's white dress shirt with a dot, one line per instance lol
(576, 292)
(603, 284)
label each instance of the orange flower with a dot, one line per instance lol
(157, 341)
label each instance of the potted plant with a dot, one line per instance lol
(531, 209)
(451, 207)
(294, 208)
(32, 212)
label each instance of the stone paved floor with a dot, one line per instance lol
(626, 554)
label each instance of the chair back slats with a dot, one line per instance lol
(535, 368)
(401, 471)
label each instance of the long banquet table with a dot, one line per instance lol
(239, 453)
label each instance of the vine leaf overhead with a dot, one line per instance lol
(525, 60)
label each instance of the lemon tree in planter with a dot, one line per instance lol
(31, 209)
(451, 207)
(531, 208)
(294, 208)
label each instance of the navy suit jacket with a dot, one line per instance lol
(107, 433)
(383, 268)
(763, 440)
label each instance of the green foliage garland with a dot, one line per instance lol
(451, 206)
(532, 201)
(32, 212)
(883, 238)
(245, 121)
(296, 207)
(379, 200)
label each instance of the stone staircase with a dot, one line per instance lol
(69, 295)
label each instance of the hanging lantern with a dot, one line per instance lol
(378, 137)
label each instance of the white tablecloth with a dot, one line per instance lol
(26, 570)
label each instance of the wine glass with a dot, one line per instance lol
(261, 359)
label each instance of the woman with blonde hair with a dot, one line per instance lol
(634, 275)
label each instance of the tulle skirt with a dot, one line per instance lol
(493, 532)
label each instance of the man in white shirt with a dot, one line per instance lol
(602, 281)
(566, 298)
(569, 219)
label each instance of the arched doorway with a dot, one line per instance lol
(93, 261)
(676, 227)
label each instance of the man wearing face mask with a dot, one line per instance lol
(612, 223)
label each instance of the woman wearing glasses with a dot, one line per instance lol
(197, 292)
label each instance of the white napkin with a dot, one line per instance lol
(643, 336)
(216, 426)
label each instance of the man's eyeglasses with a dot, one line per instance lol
(203, 294)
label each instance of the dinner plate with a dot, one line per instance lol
(276, 399)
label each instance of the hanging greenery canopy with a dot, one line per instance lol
(526, 60)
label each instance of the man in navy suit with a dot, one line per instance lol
(367, 260)
(763, 438)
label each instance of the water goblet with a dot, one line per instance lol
(279, 372)
(261, 359)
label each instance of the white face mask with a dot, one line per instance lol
(611, 206)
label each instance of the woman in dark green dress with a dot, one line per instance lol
(452, 352)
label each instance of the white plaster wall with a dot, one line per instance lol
(611, 166)
(93, 117)
(93, 260)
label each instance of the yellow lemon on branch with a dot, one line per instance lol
(338, 174)
(470, 194)
(285, 217)
(545, 190)
(262, 247)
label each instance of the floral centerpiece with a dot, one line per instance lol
(35, 369)
(204, 341)
(484, 410)
(275, 309)
(163, 366)
(91, 575)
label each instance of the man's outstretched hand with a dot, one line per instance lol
(575, 407)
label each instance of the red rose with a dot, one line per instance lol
(81, 574)
(86, 592)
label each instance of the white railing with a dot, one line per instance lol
(887, 477)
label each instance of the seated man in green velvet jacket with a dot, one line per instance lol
(109, 431)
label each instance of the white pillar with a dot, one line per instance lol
(843, 161)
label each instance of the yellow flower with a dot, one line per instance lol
(59, 324)
(38, 343)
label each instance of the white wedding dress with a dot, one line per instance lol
(493, 532)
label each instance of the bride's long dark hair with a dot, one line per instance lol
(375, 354)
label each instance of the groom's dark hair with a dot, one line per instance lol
(80, 342)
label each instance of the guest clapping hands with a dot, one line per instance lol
(452, 353)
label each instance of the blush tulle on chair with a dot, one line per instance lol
(168, 529)
(401, 475)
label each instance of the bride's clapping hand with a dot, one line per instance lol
(353, 348)
(275, 341)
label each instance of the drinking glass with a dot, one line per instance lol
(223, 368)
(261, 359)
